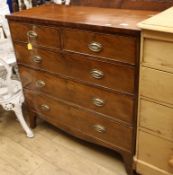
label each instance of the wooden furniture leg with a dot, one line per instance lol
(32, 119)
(128, 161)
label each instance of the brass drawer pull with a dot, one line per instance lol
(98, 74)
(98, 102)
(100, 128)
(45, 108)
(40, 84)
(95, 46)
(32, 34)
(37, 59)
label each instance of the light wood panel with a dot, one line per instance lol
(147, 169)
(161, 22)
(51, 152)
(155, 151)
(158, 54)
(19, 157)
(6, 169)
(157, 118)
(157, 85)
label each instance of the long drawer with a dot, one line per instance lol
(36, 34)
(158, 54)
(157, 118)
(155, 151)
(119, 107)
(114, 76)
(116, 47)
(157, 85)
(95, 126)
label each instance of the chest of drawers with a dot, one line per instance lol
(80, 71)
(155, 120)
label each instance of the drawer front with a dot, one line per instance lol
(158, 54)
(155, 151)
(36, 34)
(93, 125)
(157, 85)
(116, 47)
(161, 121)
(117, 106)
(114, 76)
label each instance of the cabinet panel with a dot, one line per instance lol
(95, 126)
(157, 118)
(36, 34)
(158, 54)
(155, 151)
(113, 76)
(119, 107)
(116, 47)
(157, 85)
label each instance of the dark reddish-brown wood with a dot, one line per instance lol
(79, 41)
(80, 94)
(88, 18)
(98, 3)
(62, 73)
(80, 67)
(48, 37)
(157, 5)
(83, 121)
(128, 4)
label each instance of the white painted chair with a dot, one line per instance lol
(66, 2)
(11, 96)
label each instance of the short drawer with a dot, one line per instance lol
(119, 107)
(114, 76)
(95, 126)
(155, 151)
(36, 34)
(157, 85)
(156, 118)
(158, 54)
(116, 47)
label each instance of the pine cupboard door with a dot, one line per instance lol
(157, 85)
(157, 50)
(155, 152)
(157, 118)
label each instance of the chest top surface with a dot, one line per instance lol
(161, 22)
(79, 16)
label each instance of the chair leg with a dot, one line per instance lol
(32, 119)
(19, 114)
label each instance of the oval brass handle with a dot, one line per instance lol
(95, 46)
(99, 128)
(98, 102)
(32, 34)
(37, 59)
(170, 162)
(40, 83)
(98, 74)
(45, 108)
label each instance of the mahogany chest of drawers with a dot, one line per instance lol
(79, 70)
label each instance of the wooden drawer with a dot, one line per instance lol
(116, 47)
(156, 118)
(95, 126)
(157, 85)
(155, 151)
(36, 34)
(114, 76)
(158, 54)
(119, 107)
